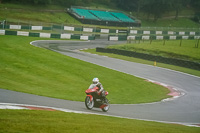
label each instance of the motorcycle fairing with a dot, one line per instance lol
(91, 97)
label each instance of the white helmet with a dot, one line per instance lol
(95, 80)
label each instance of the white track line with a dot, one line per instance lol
(19, 106)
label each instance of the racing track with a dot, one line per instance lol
(184, 110)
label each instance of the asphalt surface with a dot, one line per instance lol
(184, 110)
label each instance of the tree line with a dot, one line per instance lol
(155, 8)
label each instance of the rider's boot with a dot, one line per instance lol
(103, 99)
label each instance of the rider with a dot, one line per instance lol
(96, 83)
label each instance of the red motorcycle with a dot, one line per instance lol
(94, 99)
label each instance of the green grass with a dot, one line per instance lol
(32, 17)
(181, 22)
(20, 14)
(30, 69)
(24, 121)
(35, 15)
(170, 49)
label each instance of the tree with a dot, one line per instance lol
(178, 5)
(156, 7)
(41, 2)
(128, 5)
(140, 4)
(196, 5)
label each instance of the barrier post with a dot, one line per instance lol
(155, 64)
(181, 43)
(151, 40)
(164, 42)
(3, 24)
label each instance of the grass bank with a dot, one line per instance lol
(171, 22)
(52, 14)
(51, 122)
(29, 69)
(171, 49)
(35, 15)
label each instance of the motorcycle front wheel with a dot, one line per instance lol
(89, 104)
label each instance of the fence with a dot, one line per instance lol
(114, 34)
(89, 28)
(46, 35)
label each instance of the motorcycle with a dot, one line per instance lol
(94, 99)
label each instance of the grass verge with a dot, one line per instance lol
(181, 49)
(50, 122)
(171, 23)
(170, 49)
(29, 69)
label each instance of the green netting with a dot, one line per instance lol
(75, 37)
(122, 37)
(58, 27)
(34, 34)
(187, 33)
(48, 28)
(165, 32)
(6, 26)
(138, 37)
(152, 32)
(152, 37)
(178, 37)
(91, 38)
(191, 37)
(7, 32)
(25, 27)
(78, 29)
(112, 31)
(55, 36)
(166, 37)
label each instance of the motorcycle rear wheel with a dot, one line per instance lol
(89, 104)
(105, 109)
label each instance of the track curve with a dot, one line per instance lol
(185, 110)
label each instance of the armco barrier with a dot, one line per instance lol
(94, 29)
(150, 32)
(151, 37)
(172, 61)
(46, 35)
